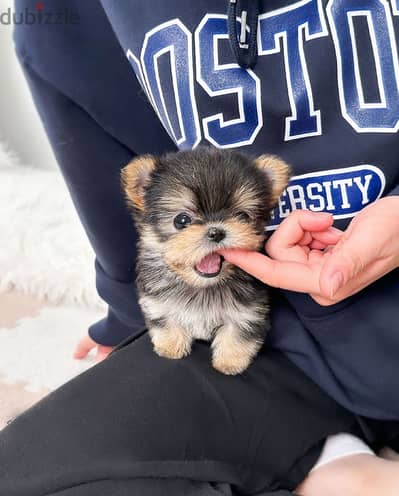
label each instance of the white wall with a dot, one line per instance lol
(20, 126)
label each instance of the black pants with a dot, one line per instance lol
(156, 487)
(139, 424)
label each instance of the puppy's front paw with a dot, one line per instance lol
(171, 350)
(231, 363)
(171, 342)
(232, 353)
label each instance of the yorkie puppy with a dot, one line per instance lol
(187, 206)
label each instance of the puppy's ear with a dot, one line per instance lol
(136, 177)
(278, 172)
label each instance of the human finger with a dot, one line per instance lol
(293, 276)
(292, 230)
(330, 236)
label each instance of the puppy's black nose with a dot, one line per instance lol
(216, 234)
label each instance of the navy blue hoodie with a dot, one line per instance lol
(314, 81)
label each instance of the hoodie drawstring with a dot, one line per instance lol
(244, 46)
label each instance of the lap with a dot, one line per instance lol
(151, 487)
(139, 415)
(157, 487)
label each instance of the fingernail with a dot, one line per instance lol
(323, 214)
(336, 282)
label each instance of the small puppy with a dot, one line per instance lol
(187, 206)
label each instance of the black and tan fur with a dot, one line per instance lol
(221, 190)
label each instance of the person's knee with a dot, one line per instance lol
(361, 474)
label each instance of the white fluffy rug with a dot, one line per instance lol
(43, 249)
(43, 253)
(38, 351)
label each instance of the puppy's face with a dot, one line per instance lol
(190, 204)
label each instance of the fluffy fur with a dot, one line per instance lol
(44, 250)
(187, 206)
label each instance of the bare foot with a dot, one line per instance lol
(86, 344)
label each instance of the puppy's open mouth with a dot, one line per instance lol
(209, 266)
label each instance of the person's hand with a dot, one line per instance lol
(296, 252)
(307, 255)
(86, 344)
(367, 250)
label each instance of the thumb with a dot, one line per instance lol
(345, 261)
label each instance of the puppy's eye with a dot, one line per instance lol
(243, 216)
(182, 220)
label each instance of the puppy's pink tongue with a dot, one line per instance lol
(209, 264)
